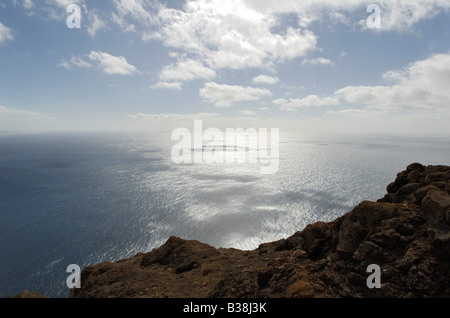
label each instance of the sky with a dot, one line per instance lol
(312, 66)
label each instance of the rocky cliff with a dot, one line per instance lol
(406, 233)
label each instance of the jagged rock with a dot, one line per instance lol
(415, 166)
(181, 254)
(420, 193)
(405, 191)
(361, 221)
(440, 235)
(316, 238)
(435, 205)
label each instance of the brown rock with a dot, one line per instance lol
(440, 235)
(423, 191)
(435, 205)
(364, 219)
(415, 166)
(405, 191)
(316, 238)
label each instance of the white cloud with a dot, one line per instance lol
(396, 16)
(317, 61)
(28, 4)
(167, 85)
(226, 95)
(186, 70)
(401, 16)
(5, 34)
(79, 62)
(96, 23)
(122, 23)
(265, 79)
(139, 11)
(110, 64)
(242, 34)
(74, 61)
(231, 35)
(310, 101)
(423, 85)
(64, 3)
(6, 112)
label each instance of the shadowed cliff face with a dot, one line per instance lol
(406, 233)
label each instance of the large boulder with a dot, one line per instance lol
(362, 221)
(435, 206)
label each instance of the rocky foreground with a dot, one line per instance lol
(406, 233)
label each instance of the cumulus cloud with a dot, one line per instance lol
(422, 85)
(242, 34)
(186, 70)
(5, 34)
(403, 16)
(110, 64)
(229, 34)
(265, 79)
(226, 95)
(294, 104)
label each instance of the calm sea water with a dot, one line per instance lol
(90, 198)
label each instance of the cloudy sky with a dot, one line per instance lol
(300, 64)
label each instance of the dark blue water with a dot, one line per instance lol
(89, 198)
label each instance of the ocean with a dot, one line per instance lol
(86, 198)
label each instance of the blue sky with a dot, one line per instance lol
(312, 66)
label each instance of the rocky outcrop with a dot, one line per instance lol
(406, 233)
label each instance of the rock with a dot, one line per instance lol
(290, 243)
(440, 235)
(316, 238)
(405, 191)
(415, 166)
(361, 221)
(180, 254)
(435, 205)
(420, 193)
(447, 216)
